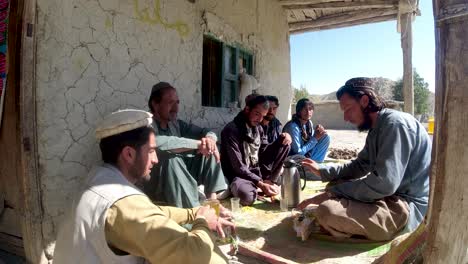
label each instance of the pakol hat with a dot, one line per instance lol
(123, 121)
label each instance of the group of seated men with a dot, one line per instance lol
(252, 150)
(380, 194)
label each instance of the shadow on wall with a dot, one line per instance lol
(329, 114)
(8, 258)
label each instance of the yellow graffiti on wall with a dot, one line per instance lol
(144, 16)
(108, 22)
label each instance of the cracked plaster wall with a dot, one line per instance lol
(97, 56)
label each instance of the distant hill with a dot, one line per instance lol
(383, 87)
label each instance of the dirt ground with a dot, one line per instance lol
(349, 139)
(344, 143)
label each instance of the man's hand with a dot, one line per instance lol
(215, 223)
(224, 224)
(268, 188)
(317, 199)
(319, 132)
(207, 147)
(311, 166)
(224, 212)
(286, 138)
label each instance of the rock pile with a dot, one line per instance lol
(344, 154)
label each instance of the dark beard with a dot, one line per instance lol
(269, 117)
(367, 124)
(137, 171)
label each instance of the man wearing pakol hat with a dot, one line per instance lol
(251, 164)
(188, 154)
(306, 140)
(385, 190)
(112, 221)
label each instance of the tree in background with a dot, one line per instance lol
(421, 94)
(304, 93)
(300, 93)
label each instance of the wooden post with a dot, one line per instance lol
(448, 215)
(30, 183)
(407, 46)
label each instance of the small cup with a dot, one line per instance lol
(284, 204)
(213, 203)
(235, 208)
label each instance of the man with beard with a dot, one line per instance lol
(112, 221)
(249, 162)
(384, 191)
(270, 124)
(307, 141)
(188, 154)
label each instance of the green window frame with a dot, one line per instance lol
(220, 72)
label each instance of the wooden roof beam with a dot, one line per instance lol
(341, 18)
(343, 4)
(303, 2)
(346, 24)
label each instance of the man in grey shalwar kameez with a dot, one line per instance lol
(188, 155)
(385, 190)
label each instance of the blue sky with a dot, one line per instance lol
(324, 60)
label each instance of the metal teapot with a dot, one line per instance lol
(291, 182)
